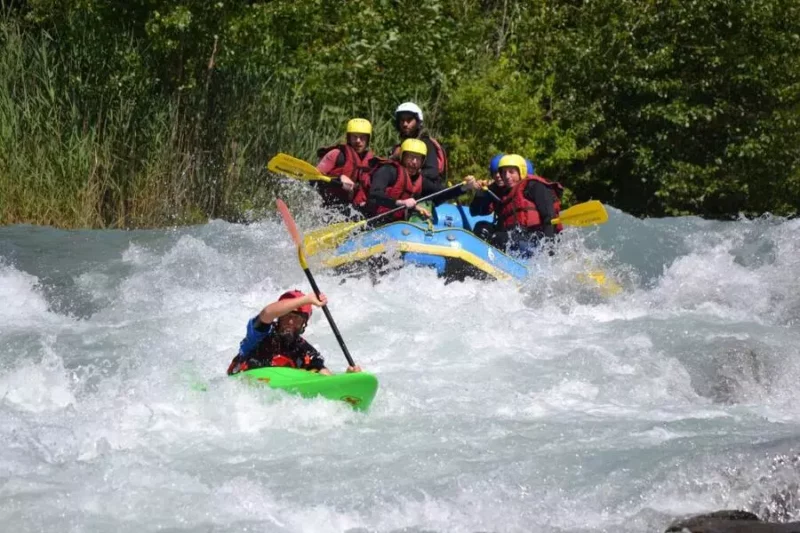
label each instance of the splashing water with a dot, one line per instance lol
(502, 408)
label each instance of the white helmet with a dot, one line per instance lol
(408, 107)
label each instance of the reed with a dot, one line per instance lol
(72, 155)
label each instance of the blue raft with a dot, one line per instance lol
(446, 244)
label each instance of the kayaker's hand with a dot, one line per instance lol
(312, 299)
(353, 369)
(409, 203)
(347, 183)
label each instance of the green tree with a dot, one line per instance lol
(692, 107)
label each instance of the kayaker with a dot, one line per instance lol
(345, 163)
(396, 183)
(273, 337)
(409, 125)
(528, 205)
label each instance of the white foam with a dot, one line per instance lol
(499, 408)
(37, 387)
(21, 300)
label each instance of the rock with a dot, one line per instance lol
(731, 521)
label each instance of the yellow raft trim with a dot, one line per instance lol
(607, 286)
(440, 251)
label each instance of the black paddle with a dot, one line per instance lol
(293, 231)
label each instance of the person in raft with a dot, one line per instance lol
(409, 125)
(396, 183)
(273, 337)
(528, 204)
(345, 163)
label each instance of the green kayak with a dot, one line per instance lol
(357, 389)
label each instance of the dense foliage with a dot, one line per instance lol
(149, 112)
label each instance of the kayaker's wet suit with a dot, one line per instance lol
(264, 347)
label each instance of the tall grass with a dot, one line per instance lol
(65, 159)
(75, 152)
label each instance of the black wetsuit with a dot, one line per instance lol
(262, 344)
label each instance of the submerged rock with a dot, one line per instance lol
(729, 522)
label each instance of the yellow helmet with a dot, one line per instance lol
(359, 125)
(514, 160)
(414, 146)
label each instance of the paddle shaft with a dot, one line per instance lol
(301, 256)
(493, 195)
(343, 231)
(396, 209)
(327, 313)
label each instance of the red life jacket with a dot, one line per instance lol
(277, 360)
(441, 158)
(441, 155)
(270, 352)
(352, 165)
(282, 360)
(404, 187)
(516, 210)
(365, 180)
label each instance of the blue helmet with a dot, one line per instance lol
(494, 166)
(531, 168)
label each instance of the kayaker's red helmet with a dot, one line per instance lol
(290, 295)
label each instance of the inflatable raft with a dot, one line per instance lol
(446, 244)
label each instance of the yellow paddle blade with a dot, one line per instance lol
(585, 214)
(295, 168)
(329, 237)
(605, 284)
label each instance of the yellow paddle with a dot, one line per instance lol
(329, 237)
(585, 214)
(295, 168)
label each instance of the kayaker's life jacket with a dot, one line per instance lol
(442, 163)
(403, 187)
(282, 360)
(517, 211)
(271, 352)
(351, 165)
